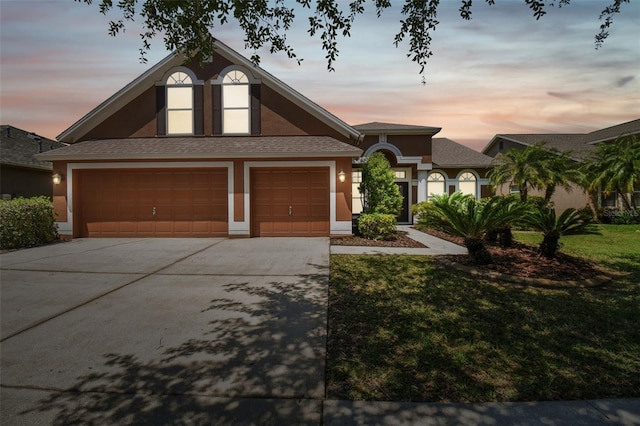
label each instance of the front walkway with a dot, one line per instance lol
(435, 246)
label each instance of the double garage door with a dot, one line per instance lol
(194, 202)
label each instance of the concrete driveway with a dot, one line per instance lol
(164, 331)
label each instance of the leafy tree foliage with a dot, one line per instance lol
(615, 167)
(187, 25)
(535, 167)
(381, 194)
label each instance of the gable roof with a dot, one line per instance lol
(155, 73)
(204, 148)
(19, 146)
(581, 144)
(447, 153)
(376, 127)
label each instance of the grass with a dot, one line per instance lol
(405, 328)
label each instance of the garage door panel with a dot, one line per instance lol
(121, 202)
(290, 201)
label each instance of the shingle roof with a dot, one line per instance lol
(613, 132)
(573, 142)
(17, 148)
(581, 144)
(447, 153)
(377, 127)
(205, 147)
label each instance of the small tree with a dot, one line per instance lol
(378, 186)
(570, 222)
(464, 216)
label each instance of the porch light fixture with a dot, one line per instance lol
(341, 176)
(57, 178)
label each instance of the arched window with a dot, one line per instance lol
(179, 104)
(467, 184)
(235, 103)
(436, 184)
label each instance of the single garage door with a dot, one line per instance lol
(290, 202)
(152, 203)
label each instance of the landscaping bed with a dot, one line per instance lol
(399, 239)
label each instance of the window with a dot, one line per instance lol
(467, 184)
(609, 199)
(400, 174)
(436, 184)
(179, 104)
(235, 103)
(356, 197)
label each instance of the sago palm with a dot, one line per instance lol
(570, 222)
(464, 216)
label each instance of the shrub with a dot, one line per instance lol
(381, 194)
(421, 211)
(377, 226)
(27, 222)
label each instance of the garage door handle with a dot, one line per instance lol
(153, 211)
(290, 210)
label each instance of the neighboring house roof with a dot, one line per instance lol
(150, 77)
(204, 147)
(581, 144)
(392, 128)
(18, 147)
(447, 153)
(614, 132)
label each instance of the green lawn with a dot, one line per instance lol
(407, 328)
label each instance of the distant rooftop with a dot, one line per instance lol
(18, 147)
(393, 128)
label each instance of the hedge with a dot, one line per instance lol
(376, 226)
(27, 222)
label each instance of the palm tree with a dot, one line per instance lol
(570, 222)
(464, 216)
(557, 169)
(521, 168)
(615, 167)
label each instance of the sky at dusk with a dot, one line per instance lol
(501, 72)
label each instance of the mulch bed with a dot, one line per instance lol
(520, 260)
(399, 240)
(523, 260)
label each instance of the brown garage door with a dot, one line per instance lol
(152, 203)
(290, 202)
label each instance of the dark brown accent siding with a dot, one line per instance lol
(216, 94)
(198, 110)
(281, 117)
(486, 191)
(255, 109)
(411, 145)
(161, 111)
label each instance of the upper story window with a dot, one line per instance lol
(236, 107)
(179, 94)
(435, 184)
(467, 184)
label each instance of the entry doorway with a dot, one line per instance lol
(403, 217)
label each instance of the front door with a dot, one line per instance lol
(403, 217)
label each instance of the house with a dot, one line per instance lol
(423, 165)
(227, 149)
(21, 175)
(581, 146)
